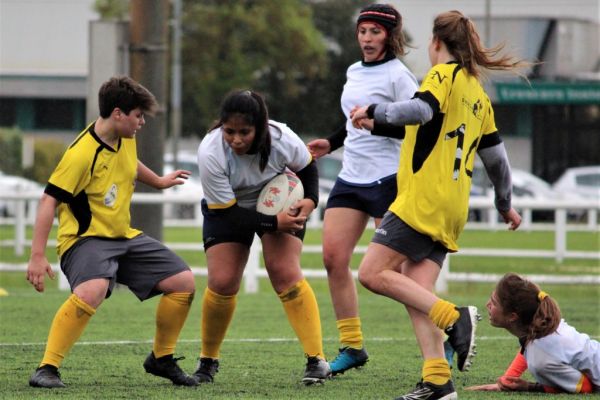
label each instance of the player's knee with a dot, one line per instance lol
(334, 261)
(367, 278)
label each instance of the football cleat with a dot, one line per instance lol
(348, 358)
(461, 336)
(430, 391)
(166, 367)
(46, 376)
(207, 368)
(317, 370)
(449, 353)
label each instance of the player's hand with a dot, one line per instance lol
(511, 217)
(37, 269)
(318, 147)
(289, 223)
(512, 384)
(171, 179)
(302, 208)
(357, 114)
(491, 387)
(367, 124)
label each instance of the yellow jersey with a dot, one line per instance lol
(436, 159)
(94, 184)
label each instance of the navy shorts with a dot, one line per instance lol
(399, 236)
(216, 229)
(139, 263)
(373, 200)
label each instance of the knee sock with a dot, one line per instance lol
(350, 333)
(171, 314)
(443, 314)
(300, 305)
(217, 312)
(436, 371)
(68, 324)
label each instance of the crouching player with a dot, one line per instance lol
(92, 187)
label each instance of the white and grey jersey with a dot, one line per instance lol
(228, 178)
(559, 359)
(368, 158)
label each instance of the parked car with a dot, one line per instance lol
(584, 181)
(192, 187)
(12, 184)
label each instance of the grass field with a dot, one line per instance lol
(261, 357)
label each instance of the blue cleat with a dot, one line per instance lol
(449, 353)
(348, 358)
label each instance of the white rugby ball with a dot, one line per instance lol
(280, 193)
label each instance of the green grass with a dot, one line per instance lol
(260, 357)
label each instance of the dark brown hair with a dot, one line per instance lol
(252, 107)
(388, 17)
(537, 317)
(462, 40)
(124, 93)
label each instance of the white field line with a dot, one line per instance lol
(241, 340)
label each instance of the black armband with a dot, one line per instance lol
(387, 130)
(309, 176)
(336, 139)
(236, 215)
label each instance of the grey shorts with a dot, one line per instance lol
(139, 263)
(399, 236)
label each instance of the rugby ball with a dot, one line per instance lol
(280, 193)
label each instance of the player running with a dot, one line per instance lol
(366, 185)
(241, 153)
(446, 122)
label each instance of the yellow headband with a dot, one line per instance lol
(542, 295)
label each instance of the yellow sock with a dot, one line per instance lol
(350, 332)
(300, 305)
(171, 314)
(68, 324)
(436, 371)
(443, 314)
(217, 312)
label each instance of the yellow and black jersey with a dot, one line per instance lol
(434, 176)
(94, 184)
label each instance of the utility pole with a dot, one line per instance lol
(148, 52)
(176, 82)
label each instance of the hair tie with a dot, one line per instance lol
(542, 295)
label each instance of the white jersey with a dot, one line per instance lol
(369, 158)
(559, 359)
(228, 178)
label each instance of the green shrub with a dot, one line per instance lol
(11, 140)
(47, 154)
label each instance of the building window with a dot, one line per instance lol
(54, 114)
(8, 112)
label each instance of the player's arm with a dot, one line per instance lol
(418, 110)
(495, 160)
(38, 264)
(319, 147)
(150, 178)
(309, 176)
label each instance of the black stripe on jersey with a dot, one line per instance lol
(58, 193)
(427, 137)
(456, 69)
(430, 99)
(98, 150)
(490, 140)
(387, 130)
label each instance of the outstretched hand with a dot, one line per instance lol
(177, 177)
(318, 147)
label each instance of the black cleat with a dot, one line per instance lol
(430, 391)
(461, 336)
(46, 376)
(166, 367)
(317, 370)
(207, 368)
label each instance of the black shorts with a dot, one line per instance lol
(373, 200)
(399, 236)
(216, 229)
(139, 263)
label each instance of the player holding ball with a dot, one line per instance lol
(242, 152)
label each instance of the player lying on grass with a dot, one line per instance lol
(243, 152)
(92, 187)
(559, 358)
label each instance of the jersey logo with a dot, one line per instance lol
(110, 198)
(440, 78)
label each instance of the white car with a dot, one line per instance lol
(584, 181)
(191, 188)
(12, 184)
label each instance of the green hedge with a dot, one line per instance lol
(10, 151)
